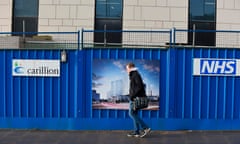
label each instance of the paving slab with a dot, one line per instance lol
(12, 136)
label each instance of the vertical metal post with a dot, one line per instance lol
(78, 39)
(82, 45)
(194, 35)
(105, 35)
(23, 26)
(173, 37)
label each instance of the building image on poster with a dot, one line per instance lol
(110, 83)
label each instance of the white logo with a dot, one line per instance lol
(49, 68)
(224, 67)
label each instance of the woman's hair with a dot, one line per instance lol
(130, 65)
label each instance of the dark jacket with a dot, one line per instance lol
(137, 87)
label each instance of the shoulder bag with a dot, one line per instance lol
(140, 103)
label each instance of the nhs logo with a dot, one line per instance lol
(216, 67)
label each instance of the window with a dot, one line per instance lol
(108, 16)
(25, 11)
(202, 15)
(108, 8)
(202, 10)
(26, 8)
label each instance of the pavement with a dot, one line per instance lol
(12, 136)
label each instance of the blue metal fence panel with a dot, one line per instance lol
(205, 97)
(65, 102)
(39, 97)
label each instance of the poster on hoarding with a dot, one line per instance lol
(110, 83)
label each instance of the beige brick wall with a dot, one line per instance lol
(66, 15)
(228, 14)
(227, 18)
(5, 15)
(155, 14)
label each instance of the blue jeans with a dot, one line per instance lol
(138, 123)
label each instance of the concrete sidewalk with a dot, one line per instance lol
(117, 137)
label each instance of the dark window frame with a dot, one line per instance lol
(202, 22)
(29, 16)
(108, 22)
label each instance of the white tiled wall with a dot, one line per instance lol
(5, 15)
(66, 15)
(155, 14)
(228, 18)
(228, 15)
(137, 14)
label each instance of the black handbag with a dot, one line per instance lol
(140, 103)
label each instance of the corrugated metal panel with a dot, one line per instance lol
(186, 101)
(205, 97)
(39, 97)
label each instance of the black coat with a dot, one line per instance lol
(137, 87)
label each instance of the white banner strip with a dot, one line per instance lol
(216, 67)
(45, 68)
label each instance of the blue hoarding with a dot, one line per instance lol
(206, 101)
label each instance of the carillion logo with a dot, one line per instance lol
(36, 68)
(18, 68)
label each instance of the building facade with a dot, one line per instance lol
(74, 15)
